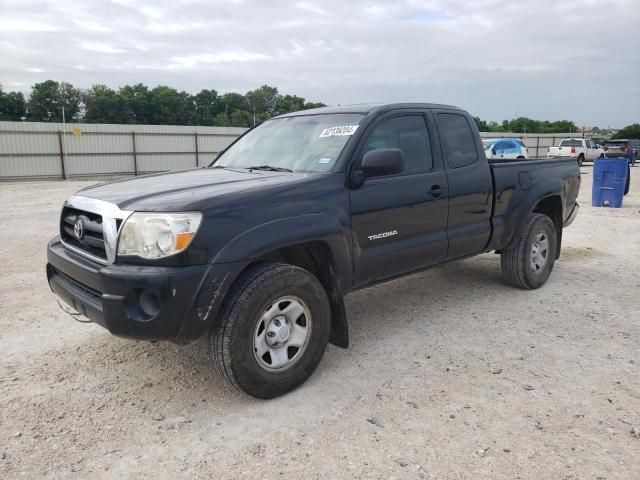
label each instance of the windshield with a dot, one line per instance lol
(310, 143)
(487, 144)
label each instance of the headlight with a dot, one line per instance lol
(157, 235)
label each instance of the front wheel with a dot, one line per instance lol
(273, 330)
(528, 259)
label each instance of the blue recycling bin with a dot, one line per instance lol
(609, 178)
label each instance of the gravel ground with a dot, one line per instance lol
(451, 374)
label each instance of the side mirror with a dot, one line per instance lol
(493, 150)
(384, 161)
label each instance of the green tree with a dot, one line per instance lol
(232, 101)
(263, 101)
(168, 106)
(481, 124)
(137, 99)
(630, 131)
(13, 106)
(291, 103)
(241, 118)
(104, 105)
(49, 98)
(310, 105)
(205, 105)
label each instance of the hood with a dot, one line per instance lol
(179, 191)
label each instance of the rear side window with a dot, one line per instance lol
(458, 139)
(408, 133)
(572, 142)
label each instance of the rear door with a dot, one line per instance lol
(500, 148)
(512, 150)
(399, 221)
(470, 184)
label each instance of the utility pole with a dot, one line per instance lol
(64, 135)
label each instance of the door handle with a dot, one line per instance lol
(435, 191)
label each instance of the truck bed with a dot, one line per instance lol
(516, 182)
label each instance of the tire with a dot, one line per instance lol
(517, 259)
(521, 158)
(628, 182)
(253, 308)
(580, 160)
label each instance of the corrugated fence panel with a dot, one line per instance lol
(32, 149)
(165, 143)
(82, 165)
(30, 167)
(214, 143)
(166, 161)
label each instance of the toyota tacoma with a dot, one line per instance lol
(258, 250)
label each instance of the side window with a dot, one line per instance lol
(408, 133)
(458, 139)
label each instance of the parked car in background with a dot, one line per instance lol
(598, 140)
(505, 148)
(635, 145)
(581, 149)
(621, 148)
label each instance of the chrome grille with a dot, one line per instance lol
(89, 237)
(90, 227)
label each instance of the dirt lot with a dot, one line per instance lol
(460, 375)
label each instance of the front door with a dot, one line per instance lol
(399, 221)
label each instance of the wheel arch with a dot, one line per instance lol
(317, 243)
(552, 207)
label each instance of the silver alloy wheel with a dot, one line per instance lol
(539, 250)
(282, 333)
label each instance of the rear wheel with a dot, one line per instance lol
(529, 258)
(580, 160)
(273, 330)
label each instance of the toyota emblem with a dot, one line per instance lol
(78, 229)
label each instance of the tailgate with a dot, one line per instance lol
(560, 152)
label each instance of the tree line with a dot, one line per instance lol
(163, 105)
(527, 125)
(139, 104)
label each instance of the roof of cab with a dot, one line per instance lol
(367, 108)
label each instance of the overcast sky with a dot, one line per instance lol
(546, 59)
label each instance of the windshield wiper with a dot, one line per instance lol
(270, 168)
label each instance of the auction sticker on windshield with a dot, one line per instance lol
(339, 131)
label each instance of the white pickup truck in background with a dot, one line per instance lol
(581, 149)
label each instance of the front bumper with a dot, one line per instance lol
(176, 303)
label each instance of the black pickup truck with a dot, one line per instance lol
(258, 250)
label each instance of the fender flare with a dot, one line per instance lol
(518, 218)
(267, 237)
(264, 238)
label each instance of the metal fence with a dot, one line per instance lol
(34, 150)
